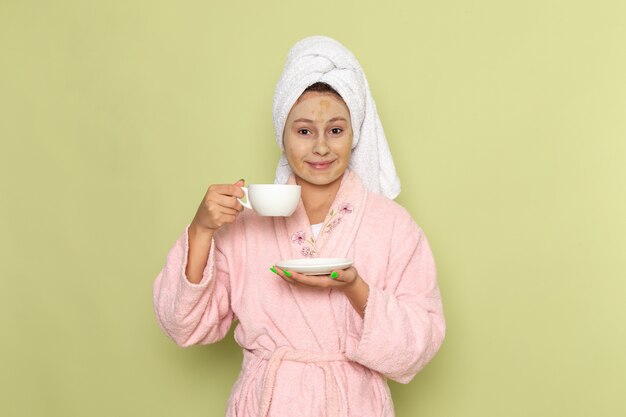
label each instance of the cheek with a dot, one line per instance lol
(344, 149)
(288, 145)
(294, 151)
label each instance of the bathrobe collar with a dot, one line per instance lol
(338, 230)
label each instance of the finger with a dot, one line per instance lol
(225, 201)
(226, 189)
(318, 281)
(336, 276)
(334, 279)
(240, 183)
(279, 273)
(235, 204)
(228, 211)
(288, 280)
(343, 275)
(287, 276)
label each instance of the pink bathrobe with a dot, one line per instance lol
(307, 352)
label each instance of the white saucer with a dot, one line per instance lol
(315, 266)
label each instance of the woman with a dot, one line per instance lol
(313, 345)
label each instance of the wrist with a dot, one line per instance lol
(357, 293)
(197, 231)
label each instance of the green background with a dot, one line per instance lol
(507, 121)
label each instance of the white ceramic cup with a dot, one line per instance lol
(272, 199)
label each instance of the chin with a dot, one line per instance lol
(321, 179)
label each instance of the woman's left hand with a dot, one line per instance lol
(340, 279)
(346, 280)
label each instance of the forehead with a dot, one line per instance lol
(320, 100)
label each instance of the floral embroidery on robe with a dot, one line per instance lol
(309, 247)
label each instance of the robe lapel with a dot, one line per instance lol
(334, 241)
(343, 220)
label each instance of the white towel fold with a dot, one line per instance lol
(322, 59)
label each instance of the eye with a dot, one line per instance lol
(304, 131)
(336, 130)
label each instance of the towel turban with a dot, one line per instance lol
(322, 59)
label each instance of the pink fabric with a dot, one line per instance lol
(307, 352)
(319, 358)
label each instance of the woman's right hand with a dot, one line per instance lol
(219, 206)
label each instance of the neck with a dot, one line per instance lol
(318, 198)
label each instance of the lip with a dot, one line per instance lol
(320, 165)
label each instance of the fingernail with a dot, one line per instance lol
(241, 179)
(334, 275)
(274, 270)
(287, 273)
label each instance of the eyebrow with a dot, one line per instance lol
(334, 119)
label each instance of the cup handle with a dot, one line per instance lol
(247, 203)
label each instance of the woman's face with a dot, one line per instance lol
(318, 138)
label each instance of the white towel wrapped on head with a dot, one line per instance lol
(322, 59)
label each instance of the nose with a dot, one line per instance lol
(321, 146)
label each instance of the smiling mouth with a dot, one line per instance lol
(320, 165)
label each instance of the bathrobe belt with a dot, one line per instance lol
(321, 359)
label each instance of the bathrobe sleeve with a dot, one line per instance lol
(403, 325)
(189, 313)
